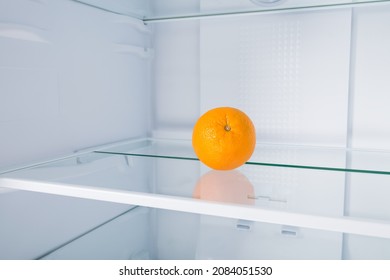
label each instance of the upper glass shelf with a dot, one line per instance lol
(287, 156)
(162, 10)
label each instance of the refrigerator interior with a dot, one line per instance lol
(98, 101)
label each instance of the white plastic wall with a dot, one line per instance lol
(71, 76)
(370, 130)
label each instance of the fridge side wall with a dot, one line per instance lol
(68, 83)
(71, 77)
(367, 195)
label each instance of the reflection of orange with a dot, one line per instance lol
(224, 138)
(224, 186)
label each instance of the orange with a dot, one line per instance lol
(225, 186)
(224, 138)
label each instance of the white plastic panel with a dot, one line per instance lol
(368, 196)
(125, 237)
(175, 235)
(372, 65)
(370, 128)
(288, 72)
(31, 85)
(67, 83)
(176, 79)
(359, 247)
(33, 224)
(240, 239)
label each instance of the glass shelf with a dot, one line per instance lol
(163, 10)
(286, 156)
(203, 237)
(165, 175)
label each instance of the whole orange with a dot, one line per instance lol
(224, 138)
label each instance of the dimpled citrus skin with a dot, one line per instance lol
(224, 138)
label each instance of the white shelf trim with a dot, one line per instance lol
(349, 225)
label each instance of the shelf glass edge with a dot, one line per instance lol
(161, 17)
(283, 151)
(269, 10)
